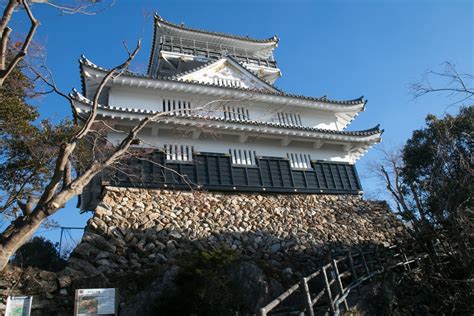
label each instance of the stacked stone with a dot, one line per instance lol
(44, 286)
(135, 229)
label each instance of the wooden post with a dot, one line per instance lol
(351, 265)
(365, 262)
(307, 296)
(406, 265)
(339, 282)
(377, 257)
(328, 289)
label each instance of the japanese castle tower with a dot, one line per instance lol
(227, 126)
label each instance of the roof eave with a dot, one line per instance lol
(82, 105)
(355, 105)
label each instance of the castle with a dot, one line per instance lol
(228, 127)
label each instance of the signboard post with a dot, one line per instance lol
(91, 302)
(18, 305)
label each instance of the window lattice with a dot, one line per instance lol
(227, 82)
(243, 157)
(299, 161)
(177, 106)
(178, 152)
(236, 113)
(290, 119)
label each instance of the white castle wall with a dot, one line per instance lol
(149, 99)
(221, 144)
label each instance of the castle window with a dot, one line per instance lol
(243, 157)
(290, 119)
(176, 106)
(227, 82)
(236, 113)
(299, 161)
(178, 153)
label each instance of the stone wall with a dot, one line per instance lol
(138, 229)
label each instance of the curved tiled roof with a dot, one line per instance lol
(368, 132)
(273, 39)
(84, 61)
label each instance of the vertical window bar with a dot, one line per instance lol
(239, 157)
(248, 116)
(174, 151)
(291, 118)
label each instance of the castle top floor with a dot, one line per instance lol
(177, 48)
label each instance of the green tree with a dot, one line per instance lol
(39, 253)
(432, 183)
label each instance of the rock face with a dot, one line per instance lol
(135, 229)
(44, 286)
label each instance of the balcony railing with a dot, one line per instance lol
(212, 50)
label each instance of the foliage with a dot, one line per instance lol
(40, 253)
(205, 285)
(28, 147)
(433, 186)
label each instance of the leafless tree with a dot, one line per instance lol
(66, 7)
(430, 181)
(457, 86)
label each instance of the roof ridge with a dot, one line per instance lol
(273, 39)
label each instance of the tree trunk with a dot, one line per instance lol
(17, 234)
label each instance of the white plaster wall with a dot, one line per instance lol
(149, 99)
(222, 144)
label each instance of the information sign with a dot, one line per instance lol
(18, 306)
(90, 302)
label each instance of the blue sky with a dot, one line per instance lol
(343, 49)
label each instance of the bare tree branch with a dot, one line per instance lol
(5, 72)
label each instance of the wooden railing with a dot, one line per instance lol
(213, 50)
(335, 280)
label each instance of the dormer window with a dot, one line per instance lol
(236, 113)
(289, 119)
(243, 157)
(299, 161)
(178, 153)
